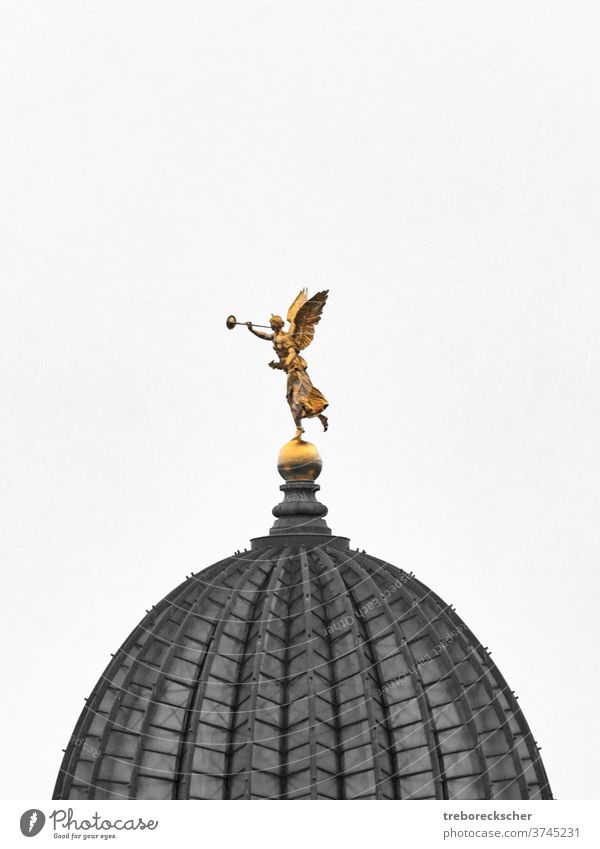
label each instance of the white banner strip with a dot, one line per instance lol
(284, 824)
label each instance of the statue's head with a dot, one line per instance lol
(276, 322)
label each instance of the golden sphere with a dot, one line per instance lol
(299, 461)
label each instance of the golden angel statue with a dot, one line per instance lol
(304, 399)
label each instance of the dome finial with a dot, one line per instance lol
(299, 460)
(299, 514)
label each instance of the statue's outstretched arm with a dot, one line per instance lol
(259, 333)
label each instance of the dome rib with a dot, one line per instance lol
(186, 774)
(367, 668)
(369, 639)
(284, 740)
(302, 776)
(258, 655)
(436, 762)
(334, 680)
(412, 608)
(309, 628)
(471, 745)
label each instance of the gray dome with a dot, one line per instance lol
(302, 669)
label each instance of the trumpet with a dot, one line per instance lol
(232, 321)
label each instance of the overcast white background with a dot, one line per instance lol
(436, 166)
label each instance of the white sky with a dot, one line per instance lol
(435, 165)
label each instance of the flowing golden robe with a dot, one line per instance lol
(305, 400)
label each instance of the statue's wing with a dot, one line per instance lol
(307, 317)
(301, 299)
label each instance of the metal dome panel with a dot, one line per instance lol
(302, 670)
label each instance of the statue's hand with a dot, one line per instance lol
(249, 325)
(273, 364)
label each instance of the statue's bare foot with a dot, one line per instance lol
(324, 421)
(299, 431)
